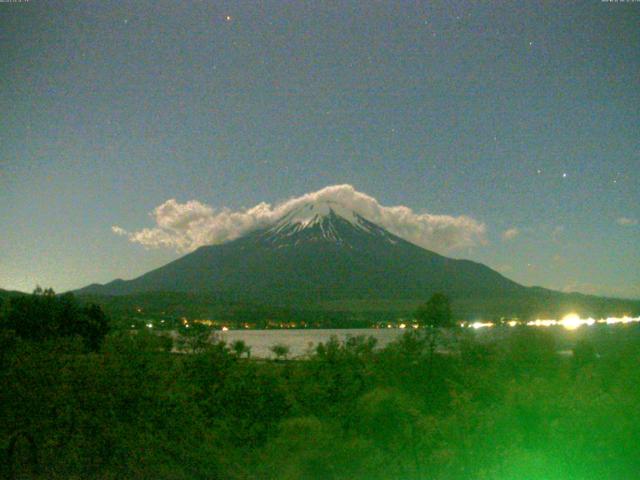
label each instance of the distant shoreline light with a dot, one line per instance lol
(571, 321)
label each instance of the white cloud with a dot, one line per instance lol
(510, 234)
(627, 222)
(118, 231)
(187, 226)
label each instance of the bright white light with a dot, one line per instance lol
(625, 319)
(542, 323)
(512, 323)
(149, 325)
(402, 325)
(225, 329)
(477, 325)
(571, 321)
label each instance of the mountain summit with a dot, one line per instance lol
(311, 213)
(322, 254)
(317, 251)
(324, 221)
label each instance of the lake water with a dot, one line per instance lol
(301, 341)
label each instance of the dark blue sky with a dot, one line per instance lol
(520, 115)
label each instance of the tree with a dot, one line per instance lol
(196, 338)
(280, 351)
(44, 315)
(434, 315)
(240, 348)
(94, 327)
(393, 424)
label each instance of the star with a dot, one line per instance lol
(564, 175)
(227, 18)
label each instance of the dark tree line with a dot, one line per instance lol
(45, 315)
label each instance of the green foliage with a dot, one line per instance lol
(280, 350)
(436, 313)
(316, 449)
(195, 338)
(239, 347)
(584, 354)
(45, 315)
(433, 316)
(251, 400)
(531, 352)
(509, 407)
(396, 427)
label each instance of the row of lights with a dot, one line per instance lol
(569, 322)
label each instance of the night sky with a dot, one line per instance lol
(522, 116)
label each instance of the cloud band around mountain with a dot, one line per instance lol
(187, 226)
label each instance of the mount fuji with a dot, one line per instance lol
(322, 253)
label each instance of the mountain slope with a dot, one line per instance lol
(322, 253)
(312, 254)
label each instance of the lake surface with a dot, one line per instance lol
(301, 342)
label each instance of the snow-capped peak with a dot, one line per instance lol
(322, 221)
(314, 212)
